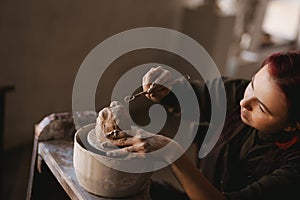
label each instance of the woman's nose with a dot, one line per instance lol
(246, 103)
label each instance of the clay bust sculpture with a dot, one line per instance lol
(113, 122)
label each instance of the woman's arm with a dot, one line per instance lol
(193, 181)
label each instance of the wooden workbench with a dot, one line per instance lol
(52, 163)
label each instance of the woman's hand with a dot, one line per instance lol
(193, 182)
(143, 142)
(155, 82)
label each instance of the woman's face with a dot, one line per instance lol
(264, 106)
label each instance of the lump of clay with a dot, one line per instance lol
(113, 122)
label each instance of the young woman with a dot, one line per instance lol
(258, 153)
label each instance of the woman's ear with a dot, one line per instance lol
(293, 127)
(290, 129)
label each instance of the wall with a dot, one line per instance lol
(212, 29)
(43, 43)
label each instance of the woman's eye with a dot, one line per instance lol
(261, 109)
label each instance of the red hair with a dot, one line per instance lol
(284, 69)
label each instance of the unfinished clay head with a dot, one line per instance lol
(113, 122)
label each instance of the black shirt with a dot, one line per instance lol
(246, 163)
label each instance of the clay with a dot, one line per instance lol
(113, 122)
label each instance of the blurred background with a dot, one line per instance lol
(43, 44)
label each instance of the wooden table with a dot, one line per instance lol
(52, 163)
(58, 155)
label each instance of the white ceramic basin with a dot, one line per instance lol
(100, 179)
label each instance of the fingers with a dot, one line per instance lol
(122, 147)
(117, 153)
(152, 74)
(156, 75)
(140, 148)
(140, 133)
(117, 134)
(124, 142)
(131, 144)
(163, 78)
(123, 139)
(126, 150)
(158, 96)
(155, 82)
